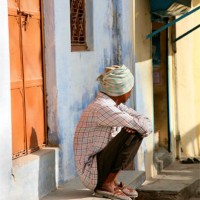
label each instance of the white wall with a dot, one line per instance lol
(5, 104)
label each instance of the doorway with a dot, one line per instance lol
(160, 87)
(26, 76)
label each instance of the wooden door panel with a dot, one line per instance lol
(26, 72)
(31, 6)
(18, 129)
(34, 118)
(33, 80)
(16, 72)
(17, 91)
(13, 6)
(32, 50)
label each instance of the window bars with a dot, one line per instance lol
(77, 17)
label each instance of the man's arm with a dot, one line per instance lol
(114, 117)
(146, 121)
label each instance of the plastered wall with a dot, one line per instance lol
(188, 71)
(5, 105)
(143, 81)
(71, 76)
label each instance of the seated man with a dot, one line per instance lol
(108, 135)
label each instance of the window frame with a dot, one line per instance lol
(79, 46)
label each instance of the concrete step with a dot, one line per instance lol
(74, 189)
(176, 182)
(163, 158)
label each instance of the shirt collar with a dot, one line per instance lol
(107, 98)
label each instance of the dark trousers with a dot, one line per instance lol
(119, 152)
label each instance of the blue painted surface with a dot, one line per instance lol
(164, 5)
(76, 72)
(160, 4)
(172, 22)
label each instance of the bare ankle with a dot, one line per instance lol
(108, 186)
(109, 183)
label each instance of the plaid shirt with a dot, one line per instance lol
(94, 131)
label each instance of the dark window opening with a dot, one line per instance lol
(77, 18)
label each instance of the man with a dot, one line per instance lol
(108, 135)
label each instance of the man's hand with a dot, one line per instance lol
(130, 130)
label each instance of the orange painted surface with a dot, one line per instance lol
(28, 131)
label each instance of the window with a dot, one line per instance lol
(78, 25)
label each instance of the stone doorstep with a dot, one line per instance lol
(185, 194)
(132, 178)
(34, 175)
(176, 182)
(162, 159)
(74, 189)
(129, 177)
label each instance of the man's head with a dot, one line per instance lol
(117, 82)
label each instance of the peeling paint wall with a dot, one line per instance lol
(74, 85)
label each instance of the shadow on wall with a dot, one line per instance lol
(194, 141)
(33, 139)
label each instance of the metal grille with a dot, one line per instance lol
(78, 40)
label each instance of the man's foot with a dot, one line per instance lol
(127, 190)
(116, 194)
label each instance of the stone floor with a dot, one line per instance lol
(73, 189)
(178, 181)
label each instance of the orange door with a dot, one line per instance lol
(26, 76)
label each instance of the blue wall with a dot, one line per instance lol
(71, 76)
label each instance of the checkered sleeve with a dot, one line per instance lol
(147, 125)
(114, 117)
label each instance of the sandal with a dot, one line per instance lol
(117, 194)
(187, 161)
(127, 190)
(196, 160)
